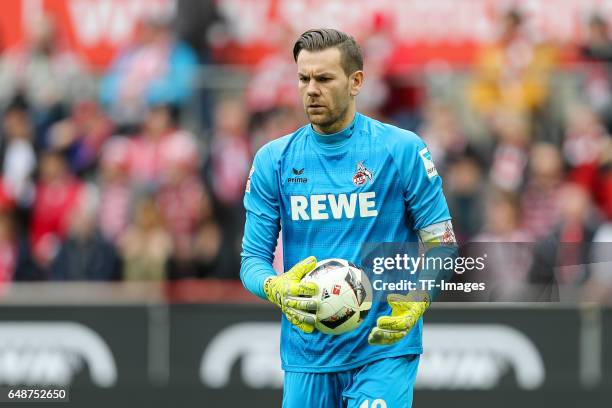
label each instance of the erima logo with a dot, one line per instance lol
(322, 206)
(457, 357)
(430, 168)
(297, 172)
(43, 353)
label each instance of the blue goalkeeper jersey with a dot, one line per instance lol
(369, 183)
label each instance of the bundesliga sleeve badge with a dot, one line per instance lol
(248, 183)
(430, 168)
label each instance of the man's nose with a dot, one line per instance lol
(313, 88)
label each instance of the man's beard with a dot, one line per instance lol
(327, 120)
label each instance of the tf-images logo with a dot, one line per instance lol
(297, 179)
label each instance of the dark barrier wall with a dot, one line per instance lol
(607, 349)
(227, 355)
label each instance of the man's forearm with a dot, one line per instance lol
(440, 245)
(253, 273)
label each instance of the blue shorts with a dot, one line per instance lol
(386, 383)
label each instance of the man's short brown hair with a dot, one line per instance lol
(323, 38)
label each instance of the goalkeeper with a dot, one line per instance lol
(342, 180)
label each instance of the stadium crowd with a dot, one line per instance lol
(101, 178)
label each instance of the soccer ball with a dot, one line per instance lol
(344, 296)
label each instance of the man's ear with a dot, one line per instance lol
(356, 82)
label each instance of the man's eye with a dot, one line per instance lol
(324, 79)
(303, 79)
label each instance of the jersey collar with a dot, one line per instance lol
(335, 139)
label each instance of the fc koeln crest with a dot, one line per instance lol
(362, 175)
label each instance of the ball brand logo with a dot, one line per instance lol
(325, 294)
(336, 290)
(362, 175)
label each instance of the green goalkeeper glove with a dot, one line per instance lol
(293, 296)
(405, 313)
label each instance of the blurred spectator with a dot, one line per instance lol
(503, 219)
(598, 51)
(583, 143)
(599, 43)
(541, 198)
(272, 84)
(230, 153)
(585, 140)
(57, 195)
(563, 257)
(8, 248)
(273, 124)
(510, 154)
(149, 153)
(194, 18)
(195, 21)
(604, 190)
(115, 189)
(17, 154)
(183, 203)
(442, 133)
(80, 137)
(156, 69)
(6, 201)
(587, 151)
(377, 45)
(207, 249)
(146, 246)
(512, 73)
(465, 193)
(46, 72)
(228, 168)
(509, 255)
(85, 254)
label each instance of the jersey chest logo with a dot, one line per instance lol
(362, 175)
(297, 176)
(334, 206)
